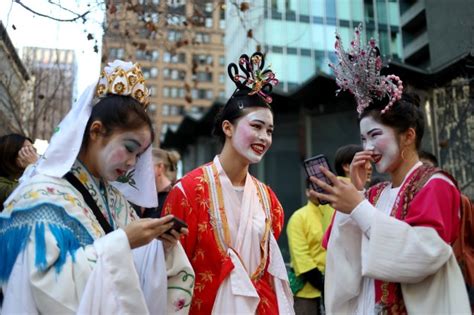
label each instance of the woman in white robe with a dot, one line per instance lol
(389, 251)
(70, 241)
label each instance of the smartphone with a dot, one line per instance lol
(177, 225)
(311, 167)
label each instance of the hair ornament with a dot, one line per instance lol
(255, 78)
(123, 78)
(358, 71)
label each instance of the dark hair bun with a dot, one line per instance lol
(255, 79)
(412, 98)
(253, 87)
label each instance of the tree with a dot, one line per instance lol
(33, 107)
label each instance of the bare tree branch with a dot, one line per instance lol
(63, 8)
(78, 16)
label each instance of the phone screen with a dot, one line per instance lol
(311, 166)
(177, 225)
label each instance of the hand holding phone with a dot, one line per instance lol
(178, 224)
(311, 167)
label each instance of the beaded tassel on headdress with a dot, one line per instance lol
(257, 80)
(358, 71)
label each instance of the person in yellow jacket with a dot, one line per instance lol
(305, 231)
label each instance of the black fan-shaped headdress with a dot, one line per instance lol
(256, 79)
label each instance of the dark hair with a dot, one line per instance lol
(344, 155)
(235, 108)
(405, 113)
(10, 145)
(246, 94)
(425, 155)
(117, 112)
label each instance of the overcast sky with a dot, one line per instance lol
(26, 29)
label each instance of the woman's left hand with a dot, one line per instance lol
(342, 196)
(171, 239)
(26, 156)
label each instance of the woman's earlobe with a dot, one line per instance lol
(410, 136)
(227, 128)
(96, 129)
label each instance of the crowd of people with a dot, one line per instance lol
(100, 223)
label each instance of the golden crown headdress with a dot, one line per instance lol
(123, 78)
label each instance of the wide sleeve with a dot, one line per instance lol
(408, 251)
(178, 205)
(51, 253)
(343, 277)
(151, 268)
(166, 278)
(113, 287)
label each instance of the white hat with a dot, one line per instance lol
(119, 77)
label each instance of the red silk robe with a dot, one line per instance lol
(204, 245)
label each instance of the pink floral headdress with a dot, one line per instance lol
(358, 71)
(256, 79)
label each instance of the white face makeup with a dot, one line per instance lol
(253, 134)
(382, 141)
(121, 152)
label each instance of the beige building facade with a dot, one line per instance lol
(181, 53)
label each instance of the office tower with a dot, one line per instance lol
(435, 32)
(299, 35)
(180, 46)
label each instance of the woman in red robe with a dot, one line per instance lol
(233, 218)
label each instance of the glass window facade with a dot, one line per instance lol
(298, 35)
(317, 8)
(343, 9)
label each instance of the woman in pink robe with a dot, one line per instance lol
(389, 251)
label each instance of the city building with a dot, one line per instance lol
(54, 72)
(180, 46)
(434, 32)
(15, 89)
(298, 35)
